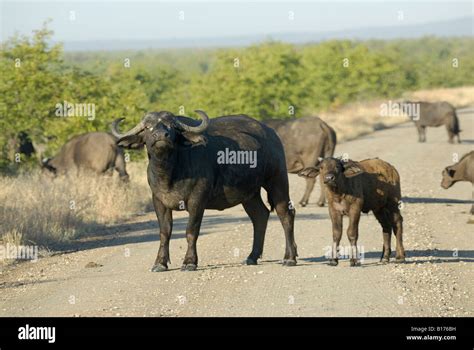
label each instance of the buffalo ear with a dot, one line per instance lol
(194, 139)
(131, 142)
(351, 168)
(309, 172)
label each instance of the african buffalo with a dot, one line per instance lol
(20, 144)
(461, 171)
(94, 151)
(435, 114)
(305, 140)
(355, 187)
(202, 166)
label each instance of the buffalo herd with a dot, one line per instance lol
(221, 162)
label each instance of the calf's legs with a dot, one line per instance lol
(336, 219)
(397, 224)
(353, 235)
(384, 220)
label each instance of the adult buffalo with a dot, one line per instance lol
(305, 140)
(435, 114)
(461, 171)
(216, 164)
(95, 151)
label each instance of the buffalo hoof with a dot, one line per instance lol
(250, 261)
(400, 260)
(384, 260)
(320, 204)
(189, 267)
(159, 268)
(289, 262)
(333, 262)
(303, 204)
(355, 262)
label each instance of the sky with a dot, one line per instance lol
(105, 20)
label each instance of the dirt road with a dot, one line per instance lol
(110, 275)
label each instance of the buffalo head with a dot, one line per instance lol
(448, 177)
(332, 170)
(161, 131)
(47, 168)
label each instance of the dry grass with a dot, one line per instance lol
(459, 97)
(357, 119)
(37, 210)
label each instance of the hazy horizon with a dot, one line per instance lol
(164, 21)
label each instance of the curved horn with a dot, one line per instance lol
(135, 130)
(195, 129)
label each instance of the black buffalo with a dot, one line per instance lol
(305, 140)
(96, 152)
(186, 171)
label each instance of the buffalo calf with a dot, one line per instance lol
(354, 187)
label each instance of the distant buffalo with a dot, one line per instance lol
(197, 166)
(461, 171)
(305, 141)
(24, 144)
(95, 151)
(434, 114)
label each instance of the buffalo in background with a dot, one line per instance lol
(305, 141)
(433, 114)
(95, 151)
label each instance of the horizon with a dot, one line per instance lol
(196, 22)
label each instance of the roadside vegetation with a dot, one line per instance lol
(344, 82)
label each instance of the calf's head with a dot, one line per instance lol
(448, 177)
(333, 171)
(161, 132)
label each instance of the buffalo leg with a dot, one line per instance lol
(190, 261)
(120, 166)
(336, 220)
(322, 196)
(353, 235)
(421, 133)
(451, 134)
(278, 194)
(310, 181)
(397, 223)
(385, 222)
(165, 219)
(258, 213)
